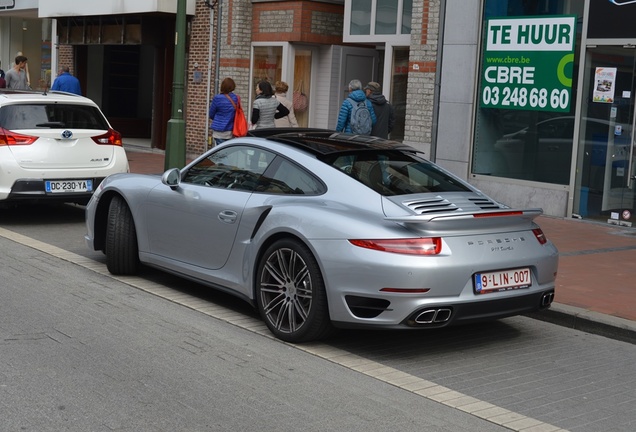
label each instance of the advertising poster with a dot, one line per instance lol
(604, 85)
(528, 63)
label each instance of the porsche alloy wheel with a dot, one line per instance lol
(291, 293)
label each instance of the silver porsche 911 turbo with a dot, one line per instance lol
(320, 230)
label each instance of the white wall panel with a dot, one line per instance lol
(66, 8)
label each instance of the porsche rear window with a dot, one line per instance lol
(37, 116)
(396, 172)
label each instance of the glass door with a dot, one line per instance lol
(605, 182)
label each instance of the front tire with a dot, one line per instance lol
(291, 295)
(122, 252)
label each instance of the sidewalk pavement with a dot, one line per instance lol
(596, 283)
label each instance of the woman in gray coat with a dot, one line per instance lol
(266, 107)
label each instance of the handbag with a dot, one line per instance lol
(240, 122)
(299, 99)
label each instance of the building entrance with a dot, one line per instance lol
(606, 171)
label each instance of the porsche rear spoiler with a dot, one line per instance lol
(473, 221)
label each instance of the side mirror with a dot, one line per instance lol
(171, 178)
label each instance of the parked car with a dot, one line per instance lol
(55, 146)
(543, 152)
(319, 229)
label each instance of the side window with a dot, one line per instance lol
(289, 178)
(235, 167)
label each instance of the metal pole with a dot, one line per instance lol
(217, 59)
(208, 137)
(175, 145)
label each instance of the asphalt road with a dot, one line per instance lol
(81, 350)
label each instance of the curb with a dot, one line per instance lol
(142, 149)
(588, 321)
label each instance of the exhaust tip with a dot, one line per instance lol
(547, 299)
(433, 316)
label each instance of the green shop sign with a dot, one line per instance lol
(528, 63)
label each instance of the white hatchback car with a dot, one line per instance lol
(55, 146)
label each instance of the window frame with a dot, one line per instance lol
(396, 39)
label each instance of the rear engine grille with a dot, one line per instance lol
(439, 204)
(431, 205)
(484, 203)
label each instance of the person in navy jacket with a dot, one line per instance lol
(66, 82)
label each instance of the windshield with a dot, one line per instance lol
(394, 172)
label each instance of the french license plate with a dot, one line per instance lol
(504, 280)
(68, 186)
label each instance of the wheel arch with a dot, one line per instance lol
(267, 243)
(101, 218)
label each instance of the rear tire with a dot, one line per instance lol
(290, 293)
(122, 252)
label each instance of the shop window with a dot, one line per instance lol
(268, 65)
(530, 135)
(302, 86)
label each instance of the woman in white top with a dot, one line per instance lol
(266, 107)
(281, 88)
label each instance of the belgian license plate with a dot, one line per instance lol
(68, 186)
(504, 280)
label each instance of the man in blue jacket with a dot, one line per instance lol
(357, 95)
(66, 82)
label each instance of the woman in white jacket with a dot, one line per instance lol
(289, 120)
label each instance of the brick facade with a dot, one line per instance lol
(422, 74)
(66, 57)
(198, 67)
(298, 21)
(201, 64)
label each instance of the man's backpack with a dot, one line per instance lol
(360, 121)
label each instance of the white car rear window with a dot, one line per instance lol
(34, 116)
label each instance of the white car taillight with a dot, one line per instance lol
(111, 137)
(10, 138)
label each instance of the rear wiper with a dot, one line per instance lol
(51, 124)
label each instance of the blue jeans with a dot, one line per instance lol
(218, 141)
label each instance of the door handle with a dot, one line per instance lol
(228, 216)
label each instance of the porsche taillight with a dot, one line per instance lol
(410, 246)
(111, 137)
(10, 138)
